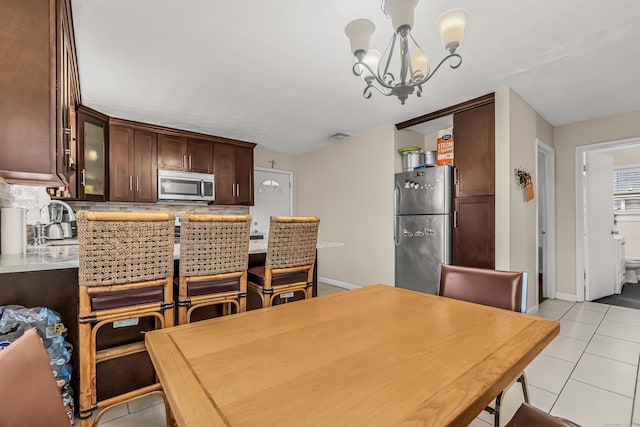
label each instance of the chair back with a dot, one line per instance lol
(529, 416)
(214, 244)
(292, 241)
(124, 247)
(501, 289)
(29, 395)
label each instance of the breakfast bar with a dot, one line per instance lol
(47, 276)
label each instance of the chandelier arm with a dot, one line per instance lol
(391, 47)
(359, 71)
(367, 91)
(445, 59)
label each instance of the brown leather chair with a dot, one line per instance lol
(214, 257)
(29, 395)
(529, 416)
(291, 255)
(500, 289)
(125, 273)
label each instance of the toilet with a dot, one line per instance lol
(631, 264)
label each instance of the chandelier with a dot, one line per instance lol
(401, 80)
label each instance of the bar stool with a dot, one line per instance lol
(214, 255)
(291, 255)
(125, 273)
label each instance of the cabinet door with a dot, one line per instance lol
(145, 166)
(172, 152)
(199, 156)
(224, 170)
(474, 152)
(474, 232)
(92, 157)
(244, 176)
(68, 95)
(27, 117)
(121, 164)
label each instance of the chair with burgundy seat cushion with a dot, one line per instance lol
(500, 289)
(291, 255)
(214, 256)
(29, 395)
(529, 416)
(125, 274)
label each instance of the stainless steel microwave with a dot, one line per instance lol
(185, 186)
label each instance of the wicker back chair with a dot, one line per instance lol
(291, 255)
(214, 256)
(125, 272)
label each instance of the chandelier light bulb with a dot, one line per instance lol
(451, 25)
(420, 64)
(372, 58)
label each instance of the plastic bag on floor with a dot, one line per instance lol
(16, 319)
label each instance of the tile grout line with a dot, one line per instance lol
(580, 358)
(635, 393)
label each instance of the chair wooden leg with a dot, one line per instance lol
(84, 398)
(267, 300)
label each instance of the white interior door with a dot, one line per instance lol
(598, 237)
(272, 197)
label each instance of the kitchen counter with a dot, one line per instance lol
(56, 257)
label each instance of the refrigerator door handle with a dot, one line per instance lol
(396, 222)
(396, 199)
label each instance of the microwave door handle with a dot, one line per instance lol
(202, 188)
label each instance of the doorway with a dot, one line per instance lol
(588, 265)
(273, 196)
(546, 220)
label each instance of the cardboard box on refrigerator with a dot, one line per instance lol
(445, 147)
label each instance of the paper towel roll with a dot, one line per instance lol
(13, 233)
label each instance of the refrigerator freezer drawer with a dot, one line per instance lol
(423, 243)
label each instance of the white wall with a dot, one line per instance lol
(517, 127)
(567, 138)
(262, 158)
(349, 185)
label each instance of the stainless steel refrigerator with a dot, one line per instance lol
(423, 229)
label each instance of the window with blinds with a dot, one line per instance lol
(626, 190)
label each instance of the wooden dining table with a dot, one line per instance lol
(373, 356)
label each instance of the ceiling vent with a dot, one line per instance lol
(339, 135)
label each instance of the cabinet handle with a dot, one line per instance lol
(237, 190)
(455, 219)
(83, 182)
(137, 183)
(189, 162)
(184, 162)
(233, 190)
(130, 183)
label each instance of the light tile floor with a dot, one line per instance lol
(588, 374)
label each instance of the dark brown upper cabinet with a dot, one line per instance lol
(474, 151)
(184, 154)
(233, 168)
(37, 122)
(133, 168)
(93, 134)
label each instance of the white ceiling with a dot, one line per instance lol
(278, 72)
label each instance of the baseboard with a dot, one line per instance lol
(566, 297)
(337, 283)
(533, 309)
